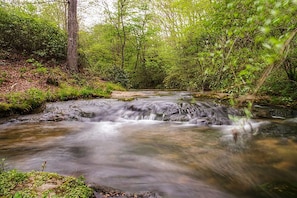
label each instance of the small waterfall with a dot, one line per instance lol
(200, 113)
(154, 108)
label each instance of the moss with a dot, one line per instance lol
(32, 99)
(279, 189)
(4, 107)
(23, 102)
(41, 184)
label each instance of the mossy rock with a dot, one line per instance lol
(279, 189)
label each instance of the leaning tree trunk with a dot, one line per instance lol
(72, 56)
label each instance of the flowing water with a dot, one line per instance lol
(151, 145)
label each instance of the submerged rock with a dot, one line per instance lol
(279, 129)
(273, 112)
(104, 192)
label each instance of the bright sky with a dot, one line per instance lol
(90, 12)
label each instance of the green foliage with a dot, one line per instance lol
(67, 89)
(195, 45)
(27, 34)
(230, 48)
(39, 66)
(281, 90)
(151, 73)
(27, 185)
(117, 75)
(25, 102)
(55, 12)
(99, 46)
(5, 107)
(109, 87)
(124, 49)
(69, 92)
(74, 188)
(290, 63)
(22, 102)
(9, 181)
(65, 92)
(34, 97)
(248, 110)
(227, 60)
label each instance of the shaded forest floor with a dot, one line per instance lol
(19, 73)
(19, 76)
(26, 84)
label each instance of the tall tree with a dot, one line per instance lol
(56, 12)
(72, 55)
(117, 16)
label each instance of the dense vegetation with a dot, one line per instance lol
(227, 45)
(232, 46)
(21, 32)
(35, 50)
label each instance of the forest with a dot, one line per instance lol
(230, 46)
(211, 110)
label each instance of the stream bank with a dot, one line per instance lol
(165, 142)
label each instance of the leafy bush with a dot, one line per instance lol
(149, 75)
(29, 35)
(278, 85)
(116, 75)
(9, 180)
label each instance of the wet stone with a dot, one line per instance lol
(109, 192)
(200, 113)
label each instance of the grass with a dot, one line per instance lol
(17, 184)
(35, 184)
(67, 89)
(22, 102)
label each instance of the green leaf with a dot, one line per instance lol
(17, 195)
(266, 45)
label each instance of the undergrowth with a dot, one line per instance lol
(282, 92)
(37, 184)
(32, 99)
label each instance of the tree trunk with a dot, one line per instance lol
(72, 56)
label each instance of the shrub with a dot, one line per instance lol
(26, 34)
(117, 75)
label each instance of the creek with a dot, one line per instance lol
(160, 143)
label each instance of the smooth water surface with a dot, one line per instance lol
(175, 159)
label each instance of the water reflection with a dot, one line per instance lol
(174, 159)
